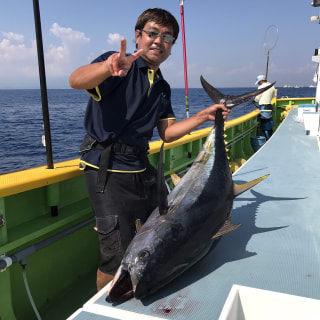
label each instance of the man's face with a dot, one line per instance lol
(155, 51)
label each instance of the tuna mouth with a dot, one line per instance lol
(141, 292)
(121, 288)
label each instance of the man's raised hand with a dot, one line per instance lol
(119, 64)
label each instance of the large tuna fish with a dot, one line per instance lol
(181, 231)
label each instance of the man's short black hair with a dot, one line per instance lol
(159, 16)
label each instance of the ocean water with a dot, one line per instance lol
(21, 121)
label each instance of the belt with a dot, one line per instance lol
(107, 148)
(105, 158)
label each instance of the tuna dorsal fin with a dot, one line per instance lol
(240, 188)
(161, 185)
(226, 228)
(174, 177)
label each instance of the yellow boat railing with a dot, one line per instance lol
(24, 180)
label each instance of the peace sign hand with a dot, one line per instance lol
(119, 64)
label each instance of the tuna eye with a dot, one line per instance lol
(144, 254)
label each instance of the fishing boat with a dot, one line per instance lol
(270, 265)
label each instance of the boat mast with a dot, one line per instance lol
(43, 84)
(316, 58)
(184, 57)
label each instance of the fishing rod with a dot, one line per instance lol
(43, 85)
(184, 57)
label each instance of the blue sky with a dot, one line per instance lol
(224, 39)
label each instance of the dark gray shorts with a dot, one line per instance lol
(127, 197)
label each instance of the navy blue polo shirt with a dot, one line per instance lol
(126, 110)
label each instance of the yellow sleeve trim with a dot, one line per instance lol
(95, 93)
(167, 119)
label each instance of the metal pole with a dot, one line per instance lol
(184, 57)
(7, 261)
(43, 84)
(267, 65)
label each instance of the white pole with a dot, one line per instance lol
(317, 80)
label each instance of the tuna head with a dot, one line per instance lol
(156, 256)
(137, 273)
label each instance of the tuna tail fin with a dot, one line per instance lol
(240, 188)
(215, 95)
(161, 185)
(228, 100)
(226, 228)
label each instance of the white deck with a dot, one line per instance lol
(277, 247)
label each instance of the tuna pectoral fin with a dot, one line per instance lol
(174, 177)
(240, 188)
(226, 228)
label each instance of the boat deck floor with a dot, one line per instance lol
(277, 247)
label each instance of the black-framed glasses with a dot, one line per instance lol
(168, 38)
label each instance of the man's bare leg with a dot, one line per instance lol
(103, 279)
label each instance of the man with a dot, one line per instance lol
(129, 98)
(264, 99)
